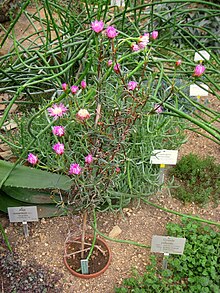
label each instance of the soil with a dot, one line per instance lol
(37, 260)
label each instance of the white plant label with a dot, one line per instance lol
(195, 90)
(166, 244)
(23, 214)
(84, 266)
(166, 157)
(201, 55)
(120, 3)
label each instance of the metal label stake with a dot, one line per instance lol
(165, 261)
(25, 228)
(161, 174)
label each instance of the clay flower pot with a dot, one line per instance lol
(98, 262)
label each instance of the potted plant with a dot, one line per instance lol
(87, 128)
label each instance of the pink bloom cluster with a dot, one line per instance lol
(154, 35)
(111, 32)
(83, 114)
(89, 159)
(158, 109)
(58, 130)
(74, 89)
(75, 169)
(199, 70)
(142, 43)
(32, 159)
(57, 111)
(132, 85)
(178, 62)
(58, 148)
(98, 26)
(117, 68)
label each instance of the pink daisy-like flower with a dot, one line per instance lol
(74, 89)
(154, 35)
(75, 169)
(32, 159)
(143, 41)
(89, 159)
(64, 86)
(132, 85)
(117, 68)
(111, 32)
(199, 70)
(109, 63)
(158, 109)
(178, 62)
(57, 110)
(58, 130)
(135, 47)
(58, 148)
(83, 84)
(83, 114)
(97, 26)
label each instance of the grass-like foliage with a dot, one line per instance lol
(197, 179)
(124, 124)
(197, 270)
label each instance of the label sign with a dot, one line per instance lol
(166, 157)
(23, 214)
(117, 2)
(166, 244)
(196, 90)
(84, 266)
(201, 55)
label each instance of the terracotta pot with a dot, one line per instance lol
(90, 275)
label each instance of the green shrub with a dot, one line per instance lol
(194, 271)
(197, 179)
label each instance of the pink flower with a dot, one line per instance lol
(58, 148)
(64, 86)
(143, 41)
(58, 130)
(109, 63)
(32, 159)
(199, 70)
(83, 84)
(74, 89)
(97, 26)
(135, 47)
(75, 169)
(57, 110)
(83, 114)
(154, 35)
(132, 85)
(111, 32)
(178, 62)
(117, 68)
(158, 109)
(117, 170)
(89, 159)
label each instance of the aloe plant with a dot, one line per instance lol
(28, 186)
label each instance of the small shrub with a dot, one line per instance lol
(194, 271)
(197, 179)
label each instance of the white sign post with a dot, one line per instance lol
(120, 3)
(201, 55)
(167, 245)
(198, 90)
(163, 158)
(23, 214)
